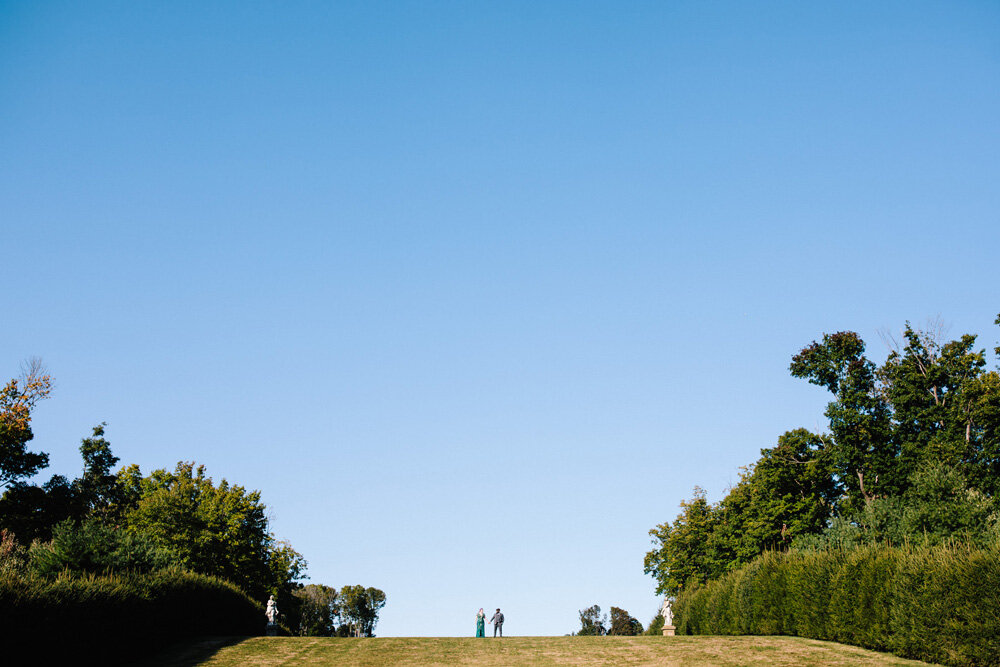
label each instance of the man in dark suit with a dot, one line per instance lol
(497, 622)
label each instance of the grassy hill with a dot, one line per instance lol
(679, 651)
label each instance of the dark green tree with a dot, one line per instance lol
(863, 449)
(684, 551)
(98, 486)
(982, 396)
(945, 406)
(940, 504)
(789, 491)
(220, 530)
(623, 623)
(912, 456)
(92, 546)
(31, 512)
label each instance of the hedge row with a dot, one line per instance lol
(112, 618)
(939, 604)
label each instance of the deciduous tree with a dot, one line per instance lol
(789, 491)
(359, 609)
(17, 399)
(220, 530)
(318, 610)
(623, 623)
(591, 622)
(683, 550)
(98, 486)
(864, 452)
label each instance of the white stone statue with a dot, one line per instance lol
(667, 613)
(272, 611)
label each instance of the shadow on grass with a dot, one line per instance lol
(187, 653)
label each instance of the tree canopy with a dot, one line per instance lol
(106, 521)
(912, 454)
(359, 609)
(17, 398)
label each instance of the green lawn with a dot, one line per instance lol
(702, 650)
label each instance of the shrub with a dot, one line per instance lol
(940, 604)
(948, 606)
(109, 618)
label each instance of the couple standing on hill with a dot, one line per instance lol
(497, 622)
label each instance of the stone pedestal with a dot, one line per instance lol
(668, 630)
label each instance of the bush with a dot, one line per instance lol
(108, 618)
(947, 606)
(940, 604)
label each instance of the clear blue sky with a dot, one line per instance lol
(475, 293)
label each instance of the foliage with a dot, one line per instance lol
(864, 452)
(17, 398)
(623, 623)
(97, 488)
(931, 603)
(219, 530)
(359, 609)
(317, 610)
(941, 504)
(94, 547)
(926, 383)
(141, 611)
(685, 551)
(789, 491)
(104, 521)
(912, 456)
(591, 622)
(128, 523)
(31, 512)
(938, 506)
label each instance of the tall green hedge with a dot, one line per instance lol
(940, 604)
(116, 618)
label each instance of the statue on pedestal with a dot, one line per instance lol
(272, 615)
(666, 612)
(668, 618)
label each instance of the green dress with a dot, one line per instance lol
(480, 625)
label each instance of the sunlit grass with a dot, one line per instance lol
(702, 650)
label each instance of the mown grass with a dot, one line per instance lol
(679, 651)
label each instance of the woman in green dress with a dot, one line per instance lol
(480, 623)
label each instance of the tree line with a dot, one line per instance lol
(126, 521)
(911, 455)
